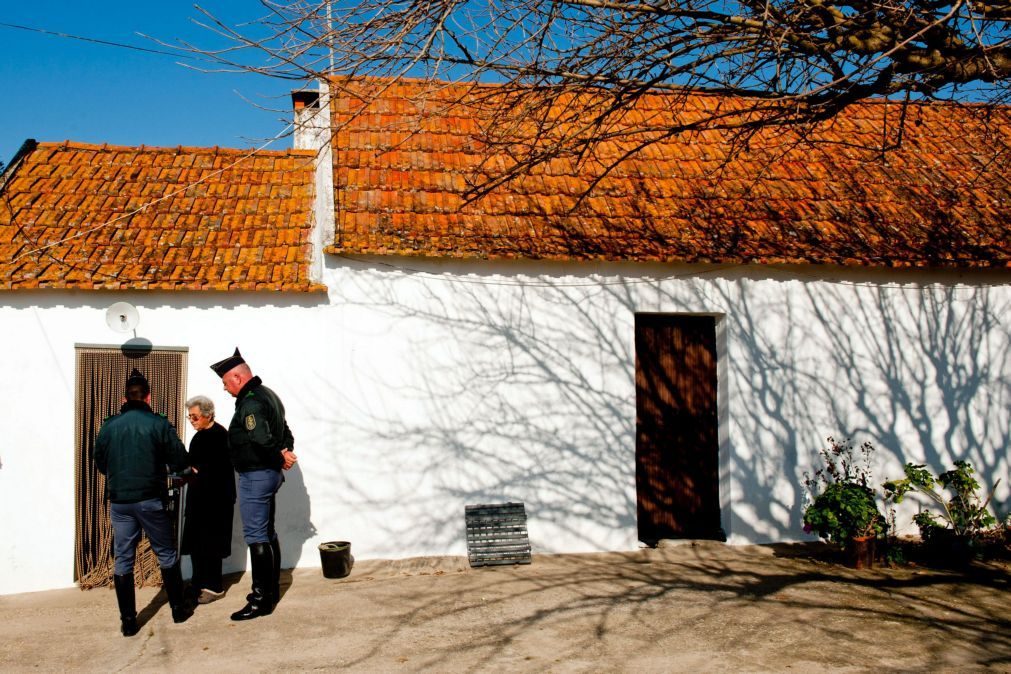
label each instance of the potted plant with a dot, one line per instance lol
(843, 508)
(964, 518)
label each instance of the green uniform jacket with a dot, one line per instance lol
(133, 449)
(258, 431)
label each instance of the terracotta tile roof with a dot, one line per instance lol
(943, 198)
(106, 217)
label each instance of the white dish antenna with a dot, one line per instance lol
(122, 317)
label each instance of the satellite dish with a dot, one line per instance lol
(122, 317)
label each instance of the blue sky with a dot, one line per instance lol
(55, 89)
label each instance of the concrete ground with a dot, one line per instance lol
(694, 607)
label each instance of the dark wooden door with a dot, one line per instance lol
(677, 469)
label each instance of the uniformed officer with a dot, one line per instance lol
(132, 450)
(260, 444)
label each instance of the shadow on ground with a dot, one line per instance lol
(702, 607)
(777, 605)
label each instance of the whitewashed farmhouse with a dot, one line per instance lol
(662, 359)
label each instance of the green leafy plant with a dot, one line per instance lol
(843, 505)
(965, 514)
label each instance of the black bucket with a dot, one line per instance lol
(336, 559)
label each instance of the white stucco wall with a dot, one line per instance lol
(417, 387)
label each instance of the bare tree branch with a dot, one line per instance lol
(571, 70)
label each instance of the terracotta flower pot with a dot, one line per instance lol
(860, 552)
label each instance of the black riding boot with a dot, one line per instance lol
(275, 546)
(260, 601)
(275, 580)
(172, 579)
(126, 598)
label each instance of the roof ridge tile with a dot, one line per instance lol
(194, 149)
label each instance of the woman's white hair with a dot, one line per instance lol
(205, 404)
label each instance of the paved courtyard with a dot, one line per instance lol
(701, 608)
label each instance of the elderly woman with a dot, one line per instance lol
(210, 498)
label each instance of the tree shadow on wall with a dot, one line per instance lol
(516, 401)
(514, 386)
(919, 371)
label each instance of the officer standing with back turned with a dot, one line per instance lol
(134, 450)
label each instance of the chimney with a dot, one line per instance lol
(309, 119)
(311, 111)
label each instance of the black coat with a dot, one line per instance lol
(210, 497)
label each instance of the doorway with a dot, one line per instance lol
(101, 373)
(676, 448)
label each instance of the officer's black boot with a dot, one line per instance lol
(172, 579)
(275, 546)
(275, 584)
(126, 598)
(260, 601)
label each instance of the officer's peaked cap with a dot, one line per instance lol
(222, 367)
